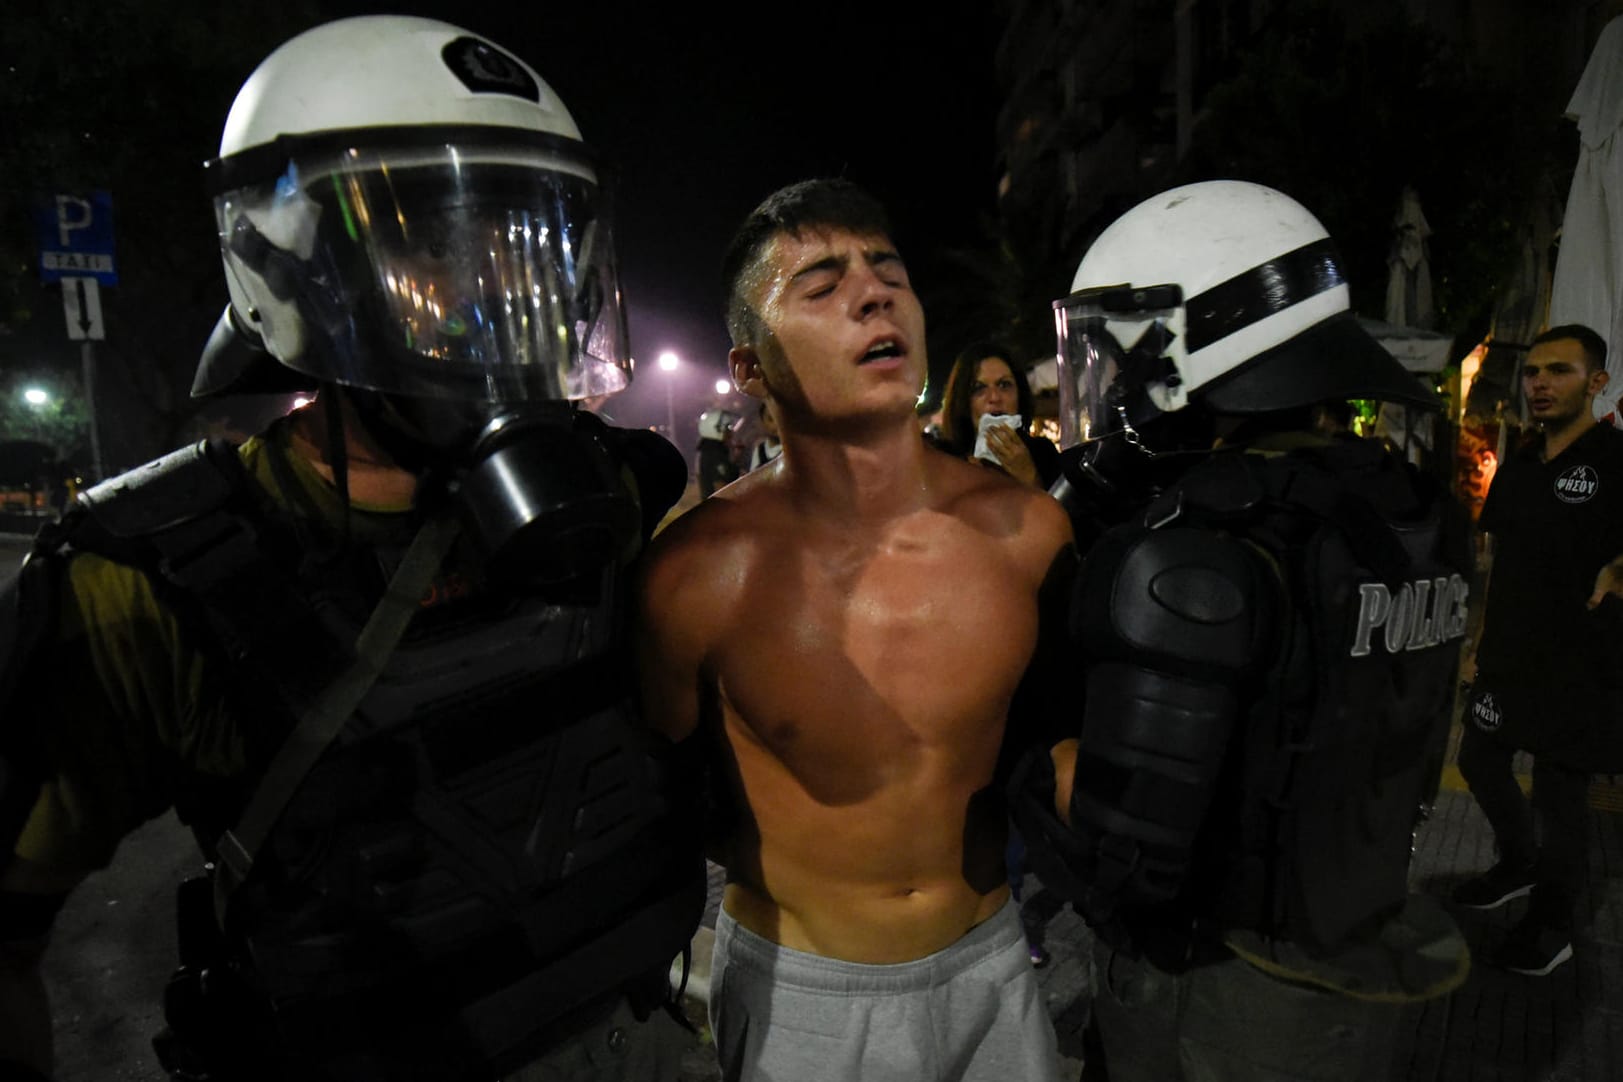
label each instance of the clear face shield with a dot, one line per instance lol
(1114, 371)
(461, 284)
(472, 267)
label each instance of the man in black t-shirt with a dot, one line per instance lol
(1547, 666)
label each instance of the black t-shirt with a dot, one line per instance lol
(1555, 524)
(1044, 455)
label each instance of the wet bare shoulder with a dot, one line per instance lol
(688, 590)
(691, 555)
(697, 568)
(1028, 523)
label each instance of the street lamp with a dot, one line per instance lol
(37, 397)
(669, 362)
(723, 386)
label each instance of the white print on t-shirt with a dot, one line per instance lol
(1577, 485)
(1485, 713)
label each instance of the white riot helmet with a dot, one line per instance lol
(1223, 292)
(405, 207)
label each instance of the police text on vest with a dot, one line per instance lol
(1422, 613)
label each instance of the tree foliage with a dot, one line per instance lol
(1342, 112)
(986, 291)
(1339, 106)
(59, 420)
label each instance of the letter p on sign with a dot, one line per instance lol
(72, 213)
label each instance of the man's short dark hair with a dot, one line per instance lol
(1594, 346)
(827, 203)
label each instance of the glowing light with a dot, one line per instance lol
(34, 396)
(723, 386)
(1469, 368)
(669, 362)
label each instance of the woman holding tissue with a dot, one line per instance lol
(985, 414)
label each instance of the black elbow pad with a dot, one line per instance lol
(1173, 624)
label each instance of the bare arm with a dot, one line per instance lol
(670, 642)
(1063, 756)
(689, 587)
(29, 895)
(1608, 581)
(678, 617)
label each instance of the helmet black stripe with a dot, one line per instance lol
(1260, 292)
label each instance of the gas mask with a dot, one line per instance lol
(461, 298)
(541, 496)
(408, 217)
(538, 488)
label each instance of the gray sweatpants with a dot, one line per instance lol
(969, 1013)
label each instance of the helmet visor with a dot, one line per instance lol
(1110, 344)
(474, 270)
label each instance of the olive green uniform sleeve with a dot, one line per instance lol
(131, 712)
(124, 713)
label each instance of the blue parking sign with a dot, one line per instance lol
(76, 238)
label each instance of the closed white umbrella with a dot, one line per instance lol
(1409, 315)
(1589, 269)
(1408, 278)
(1420, 351)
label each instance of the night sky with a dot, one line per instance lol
(703, 109)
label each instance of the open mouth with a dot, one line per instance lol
(884, 349)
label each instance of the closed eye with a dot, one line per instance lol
(820, 282)
(890, 269)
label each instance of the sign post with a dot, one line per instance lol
(76, 249)
(81, 303)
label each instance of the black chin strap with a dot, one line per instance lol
(318, 544)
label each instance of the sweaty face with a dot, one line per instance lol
(993, 391)
(844, 332)
(1557, 382)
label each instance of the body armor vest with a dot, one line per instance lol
(488, 852)
(1270, 780)
(1346, 744)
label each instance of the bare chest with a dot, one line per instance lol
(894, 647)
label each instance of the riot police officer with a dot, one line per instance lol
(376, 656)
(1269, 625)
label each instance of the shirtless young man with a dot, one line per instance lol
(849, 624)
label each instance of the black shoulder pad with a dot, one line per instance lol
(660, 469)
(166, 492)
(1225, 487)
(1184, 599)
